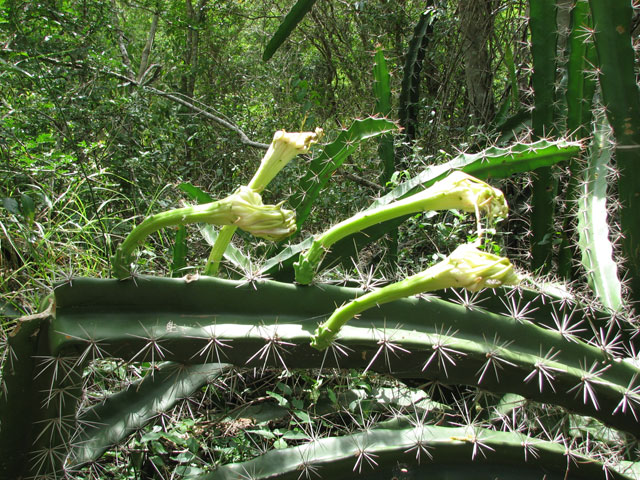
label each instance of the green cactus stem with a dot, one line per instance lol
(617, 76)
(593, 227)
(424, 451)
(542, 13)
(579, 100)
(458, 190)
(271, 323)
(243, 209)
(283, 148)
(467, 267)
(124, 412)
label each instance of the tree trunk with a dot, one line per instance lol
(195, 17)
(476, 27)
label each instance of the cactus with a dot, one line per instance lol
(612, 21)
(269, 324)
(542, 383)
(593, 228)
(579, 99)
(383, 107)
(331, 158)
(462, 452)
(109, 422)
(410, 93)
(493, 162)
(542, 13)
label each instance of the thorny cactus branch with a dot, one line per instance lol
(467, 267)
(243, 209)
(458, 190)
(284, 147)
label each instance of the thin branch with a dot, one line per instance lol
(360, 180)
(146, 52)
(121, 45)
(243, 137)
(171, 96)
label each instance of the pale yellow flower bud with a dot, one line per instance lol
(284, 147)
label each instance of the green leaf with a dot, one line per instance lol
(11, 205)
(295, 16)
(195, 193)
(179, 252)
(28, 208)
(184, 457)
(283, 402)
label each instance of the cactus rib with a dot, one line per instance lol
(109, 422)
(612, 22)
(593, 228)
(542, 14)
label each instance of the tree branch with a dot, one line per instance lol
(121, 45)
(173, 97)
(144, 58)
(359, 180)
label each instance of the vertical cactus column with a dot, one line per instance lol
(581, 85)
(544, 37)
(616, 62)
(593, 227)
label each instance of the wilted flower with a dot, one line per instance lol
(284, 147)
(464, 192)
(266, 221)
(471, 268)
(458, 190)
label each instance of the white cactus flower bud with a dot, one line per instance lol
(284, 147)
